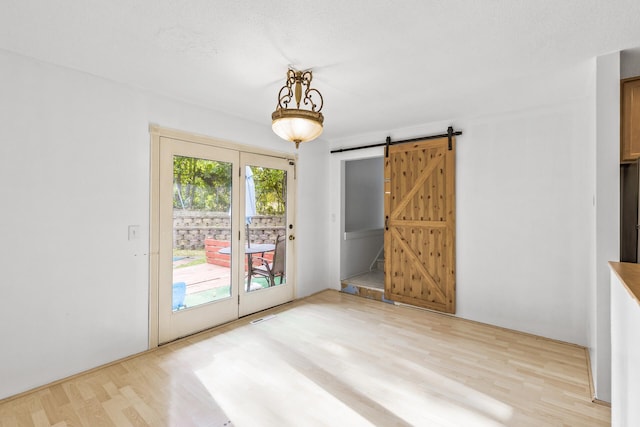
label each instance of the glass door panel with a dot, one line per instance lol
(268, 232)
(265, 222)
(197, 273)
(201, 255)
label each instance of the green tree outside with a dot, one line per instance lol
(201, 184)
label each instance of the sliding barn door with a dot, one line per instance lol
(419, 238)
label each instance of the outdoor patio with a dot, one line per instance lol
(206, 282)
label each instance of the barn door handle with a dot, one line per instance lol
(386, 223)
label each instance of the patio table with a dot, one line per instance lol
(249, 251)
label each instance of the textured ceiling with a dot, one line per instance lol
(379, 64)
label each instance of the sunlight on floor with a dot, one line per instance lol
(405, 394)
(297, 401)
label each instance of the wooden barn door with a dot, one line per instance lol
(419, 238)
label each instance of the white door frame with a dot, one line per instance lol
(157, 133)
(178, 323)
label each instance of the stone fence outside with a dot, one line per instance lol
(191, 228)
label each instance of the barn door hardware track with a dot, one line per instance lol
(450, 134)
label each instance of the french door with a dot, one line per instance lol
(224, 234)
(260, 289)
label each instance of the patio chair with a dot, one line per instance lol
(271, 270)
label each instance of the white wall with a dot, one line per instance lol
(524, 205)
(525, 187)
(607, 215)
(364, 201)
(625, 346)
(74, 155)
(630, 63)
(312, 207)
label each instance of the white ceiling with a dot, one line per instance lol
(380, 64)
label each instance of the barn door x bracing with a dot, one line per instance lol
(419, 238)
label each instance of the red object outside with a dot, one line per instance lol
(212, 248)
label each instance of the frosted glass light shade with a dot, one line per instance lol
(297, 125)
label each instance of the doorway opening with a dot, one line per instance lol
(362, 243)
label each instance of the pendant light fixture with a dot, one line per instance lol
(298, 124)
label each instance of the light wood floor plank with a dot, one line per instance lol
(331, 359)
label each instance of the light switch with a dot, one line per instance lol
(134, 232)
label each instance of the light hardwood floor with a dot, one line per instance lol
(330, 360)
